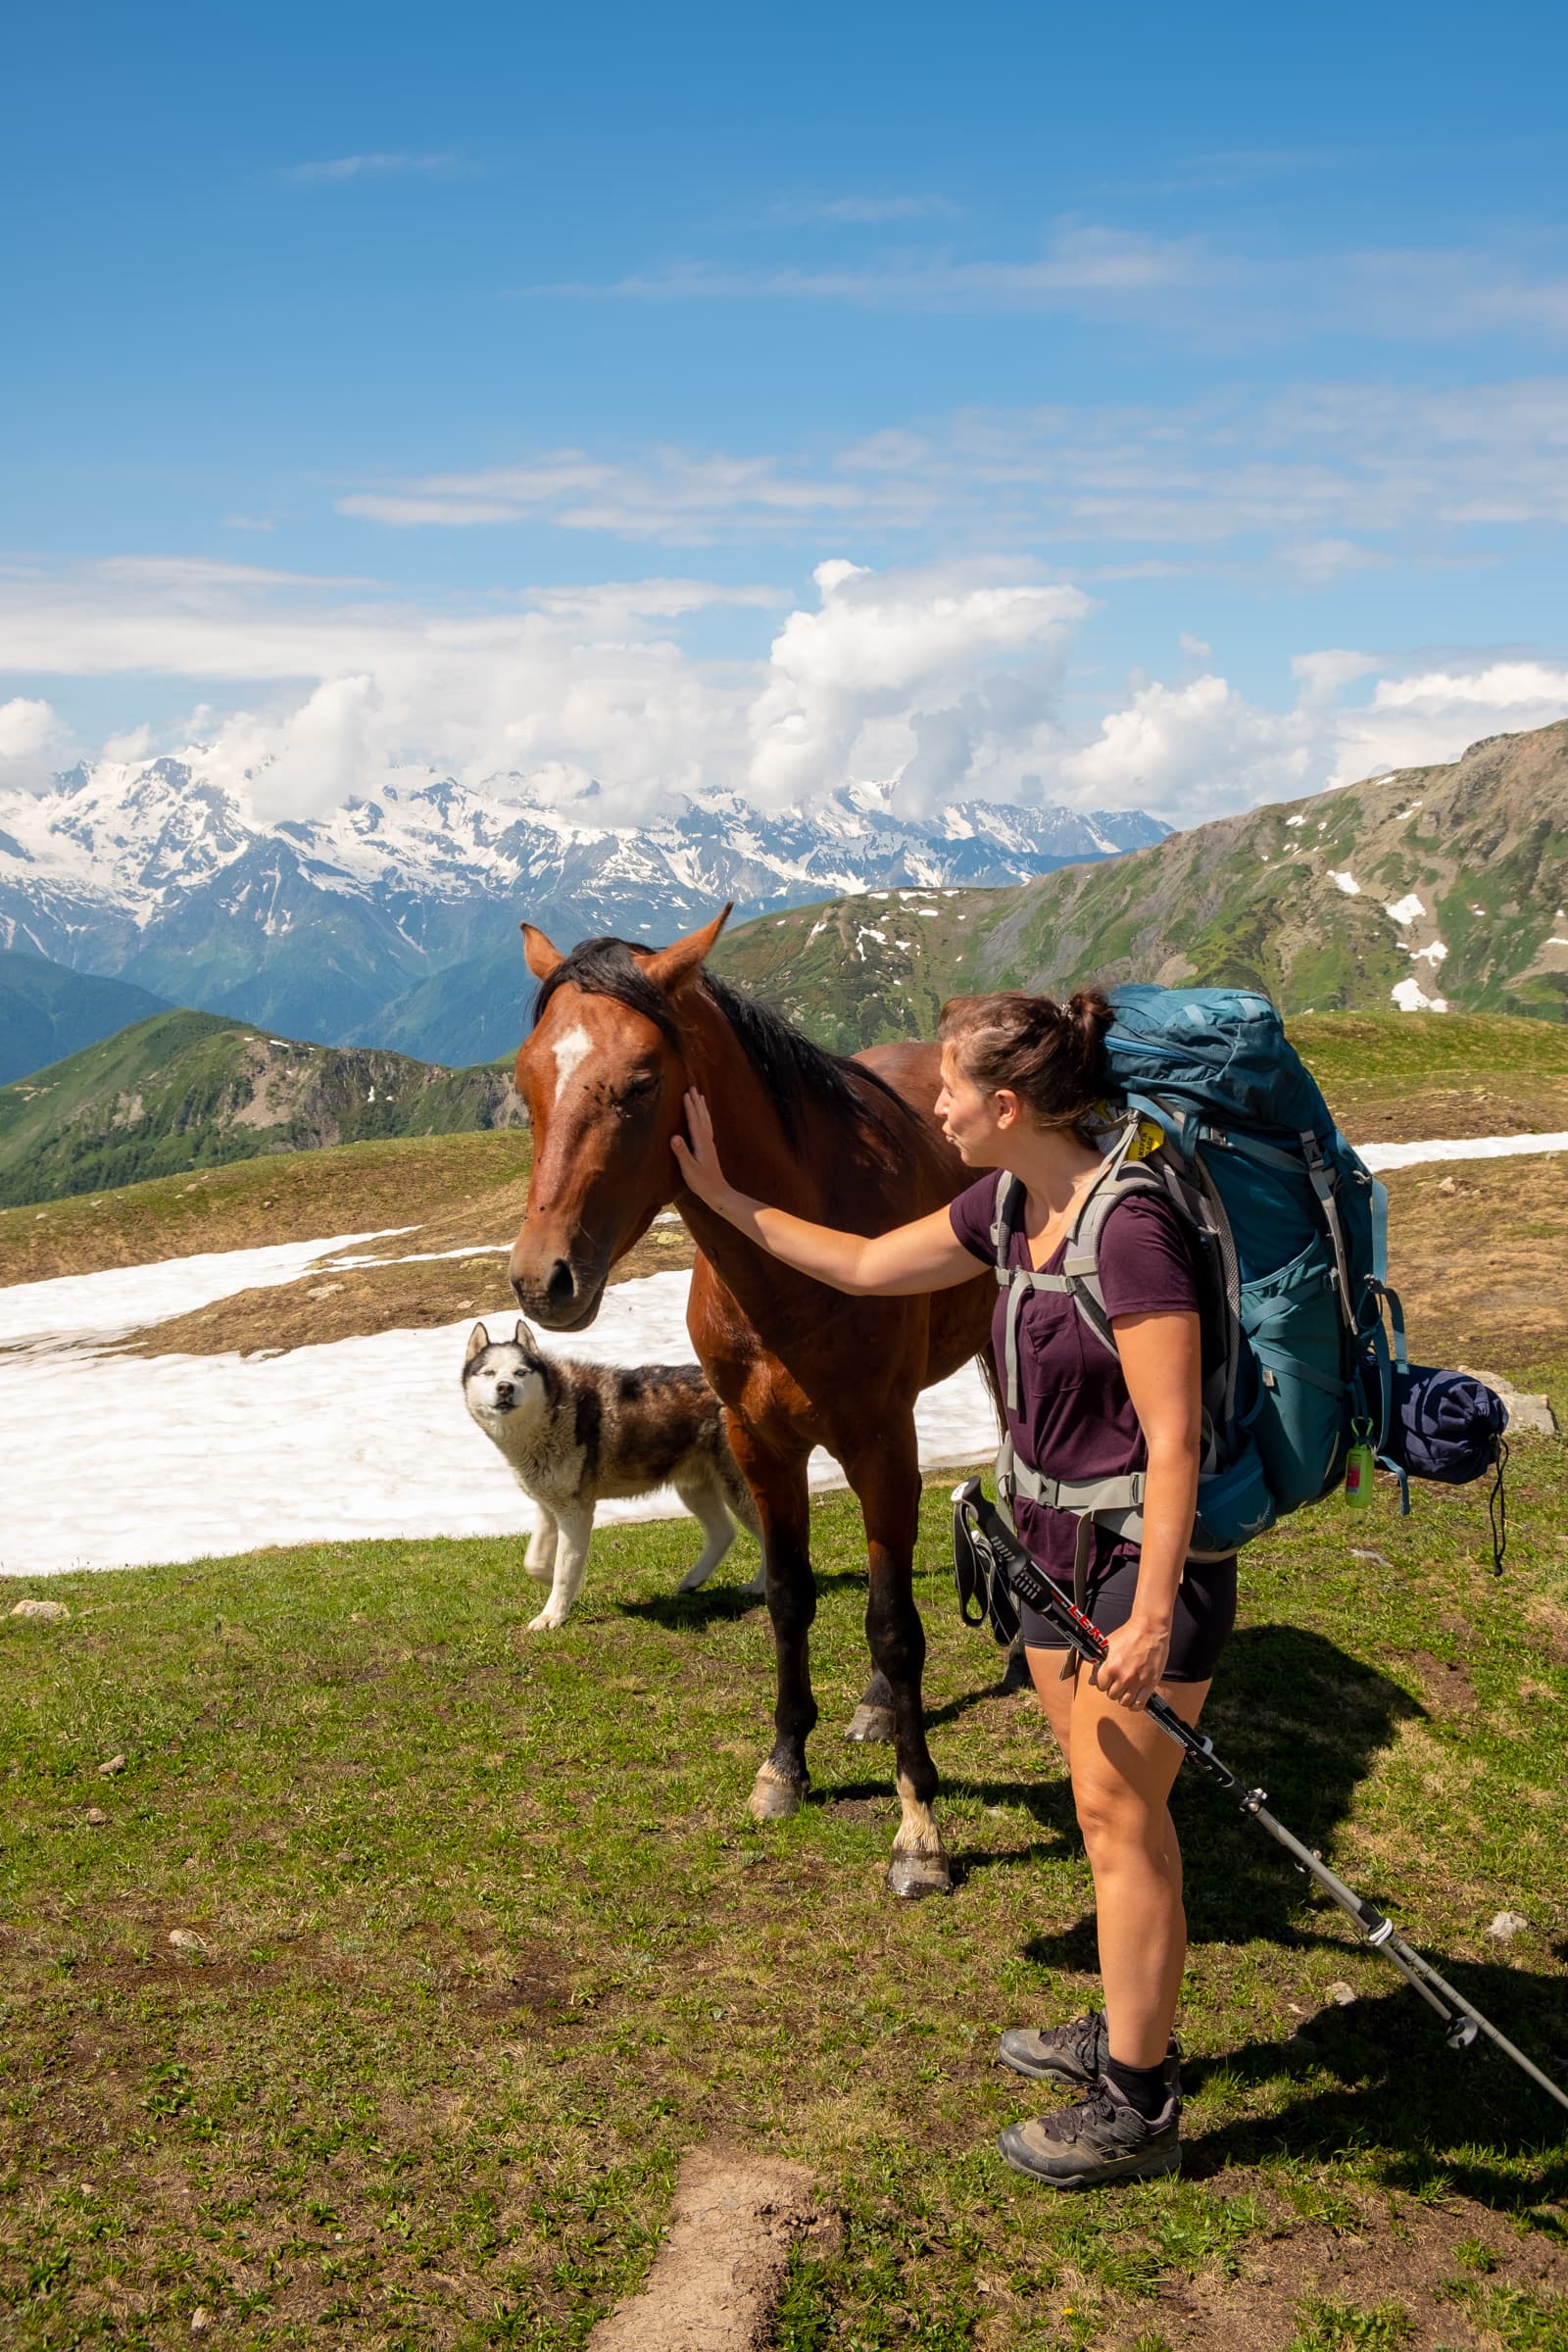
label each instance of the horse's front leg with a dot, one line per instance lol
(888, 1484)
(783, 1504)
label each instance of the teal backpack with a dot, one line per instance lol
(1217, 1111)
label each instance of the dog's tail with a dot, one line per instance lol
(737, 1493)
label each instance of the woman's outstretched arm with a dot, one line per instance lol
(926, 1256)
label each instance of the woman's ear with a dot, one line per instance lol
(1007, 1106)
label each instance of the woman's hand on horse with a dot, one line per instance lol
(696, 1154)
(1134, 1664)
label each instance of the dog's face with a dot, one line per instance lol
(501, 1377)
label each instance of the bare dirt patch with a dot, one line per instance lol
(1389, 2252)
(1370, 1113)
(283, 1196)
(352, 1300)
(720, 2271)
(1478, 1251)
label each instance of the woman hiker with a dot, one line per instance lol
(1021, 1080)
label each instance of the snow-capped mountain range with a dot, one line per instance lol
(392, 920)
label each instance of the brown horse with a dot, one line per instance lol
(620, 1033)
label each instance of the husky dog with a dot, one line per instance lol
(575, 1434)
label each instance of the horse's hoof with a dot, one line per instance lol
(870, 1723)
(773, 1797)
(911, 1877)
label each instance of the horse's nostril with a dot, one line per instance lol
(560, 1287)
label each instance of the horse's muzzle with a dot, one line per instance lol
(560, 1295)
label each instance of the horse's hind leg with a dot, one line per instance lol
(888, 1484)
(778, 1485)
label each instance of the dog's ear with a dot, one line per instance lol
(523, 1338)
(478, 1342)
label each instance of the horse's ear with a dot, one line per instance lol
(542, 956)
(671, 967)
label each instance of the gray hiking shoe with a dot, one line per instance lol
(1073, 2053)
(1103, 2138)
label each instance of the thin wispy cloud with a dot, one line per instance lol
(1235, 298)
(1077, 266)
(370, 166)
(863, 211)
(1317, 481)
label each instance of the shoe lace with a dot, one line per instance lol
(1068, 2123)
(1082, 2039)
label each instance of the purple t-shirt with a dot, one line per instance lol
(1077, 1420)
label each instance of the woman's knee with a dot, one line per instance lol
(1116, 1820)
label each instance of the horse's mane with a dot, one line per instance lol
(795, 1072)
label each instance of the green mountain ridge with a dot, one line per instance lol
(186, 1089)
(48, 1011)
(1438, 883)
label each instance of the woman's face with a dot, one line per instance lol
(967, 1116)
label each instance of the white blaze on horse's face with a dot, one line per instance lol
(569, 1053)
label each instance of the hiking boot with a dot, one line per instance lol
(1103, 2138)
(1074, 2053)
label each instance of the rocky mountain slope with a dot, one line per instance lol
(47, 1011)
(393, 919)
(1420, 888)
(190, 1090)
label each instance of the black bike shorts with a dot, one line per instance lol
(1206, 1612)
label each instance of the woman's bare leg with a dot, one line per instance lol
(1122, 1768)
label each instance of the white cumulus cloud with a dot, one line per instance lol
(33, 742)
(937, 675)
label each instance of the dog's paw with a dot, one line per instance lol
(548, 1621)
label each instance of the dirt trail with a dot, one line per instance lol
(720, 2272)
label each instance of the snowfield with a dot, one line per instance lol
(123, 1460)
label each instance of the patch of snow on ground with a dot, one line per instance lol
(118, 1460)
(1348, 884)
(1295, 820)
(1379, 1156)
(1405, 911)
(1433, 955)
(1411, 996)
(124, 1299)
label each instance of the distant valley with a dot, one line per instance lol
(187, 1091)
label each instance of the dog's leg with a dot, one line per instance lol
(574, 1529)
(699, 1491)
(540, 1558)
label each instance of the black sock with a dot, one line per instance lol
(1143, 2088)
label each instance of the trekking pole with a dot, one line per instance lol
(977, 1522)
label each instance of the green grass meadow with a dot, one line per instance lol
(487, 1941)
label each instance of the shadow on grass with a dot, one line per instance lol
(675, 1610)
(1377, 2077)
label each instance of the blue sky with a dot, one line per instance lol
(1190, 397)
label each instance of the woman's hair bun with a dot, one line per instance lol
(1089, 1013)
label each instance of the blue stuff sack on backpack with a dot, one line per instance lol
(1444, 1425)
